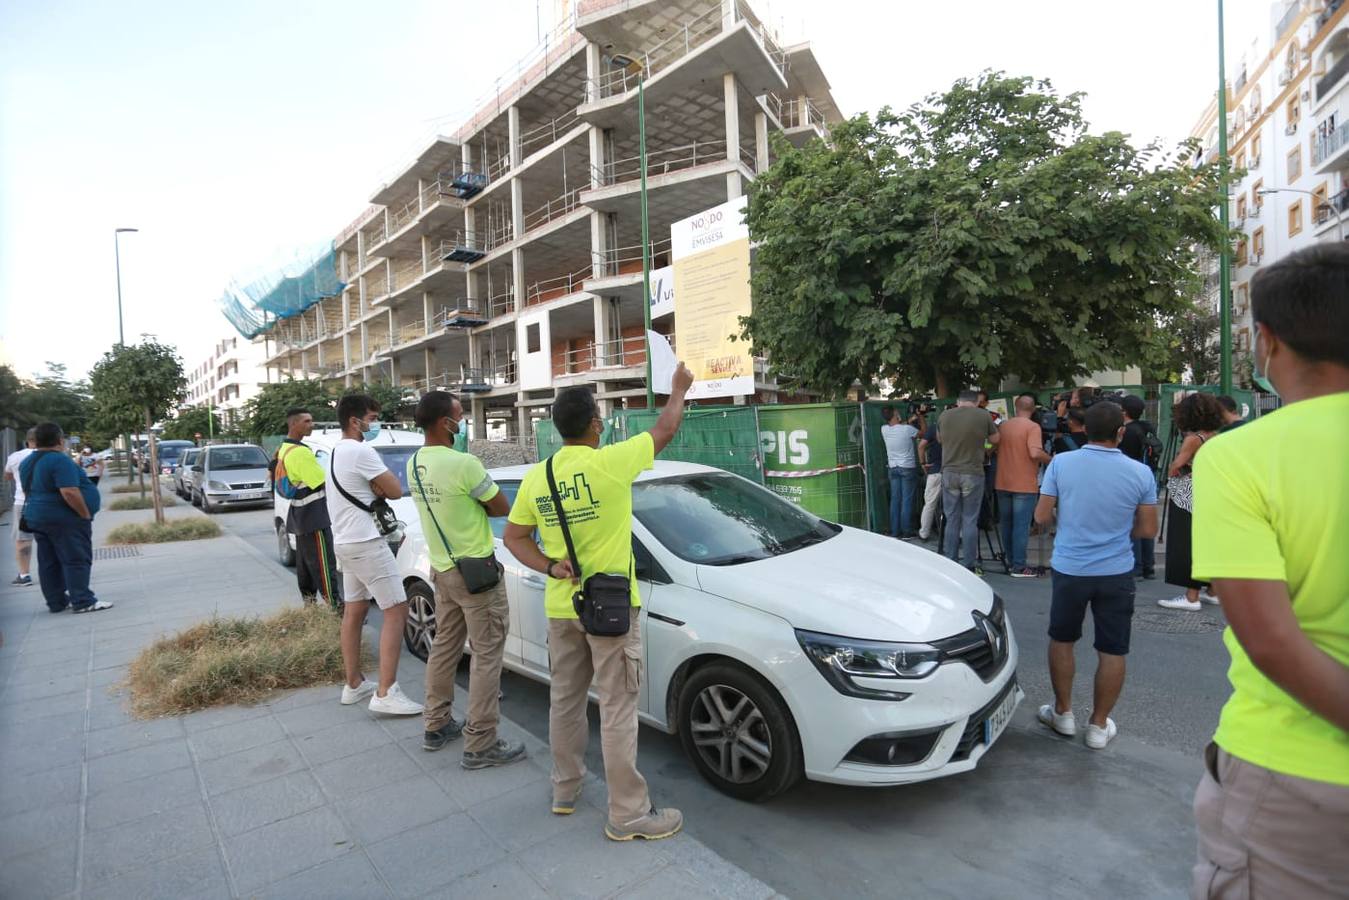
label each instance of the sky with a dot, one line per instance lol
(234, 134)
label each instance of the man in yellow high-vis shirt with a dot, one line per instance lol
(1271, 531)
(298, 476)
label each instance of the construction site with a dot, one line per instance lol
(505, 261)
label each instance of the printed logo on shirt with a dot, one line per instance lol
(577, 489)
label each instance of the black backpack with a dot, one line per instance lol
(1152, 448)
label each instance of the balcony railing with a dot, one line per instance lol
(626, 260)
(688, 37)
(801, 114)
(404, 215)
(665, 161)
(465, 311)
(1287, 21)
(553, 209)
(499, 166)
(553, 288)
(406, 275)
(1330, 143)
(628, 351)
(1327, 82)
(376, 346)
(545, 134)
(412, 331)
(501, 304)
(376, 233)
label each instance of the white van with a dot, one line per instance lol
(394, 445)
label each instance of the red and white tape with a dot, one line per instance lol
(809, 473)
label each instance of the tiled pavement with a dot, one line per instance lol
(299, 797)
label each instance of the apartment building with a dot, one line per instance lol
(1287, 112)
(505, 261)
(229, 377)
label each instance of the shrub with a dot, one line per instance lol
(238, 660)
(193, 529)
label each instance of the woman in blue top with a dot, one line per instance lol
(59, 506)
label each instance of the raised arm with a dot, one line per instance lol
(673, 414)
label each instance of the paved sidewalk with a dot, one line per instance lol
(299, 797)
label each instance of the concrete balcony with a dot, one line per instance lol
(1329, 150)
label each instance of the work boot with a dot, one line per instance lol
(502, 753)
(657, 824)
(434, 740)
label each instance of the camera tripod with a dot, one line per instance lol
(990, 535)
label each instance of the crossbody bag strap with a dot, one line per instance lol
(343, 491)
(562, 519)
(32, 473)
(417, 476)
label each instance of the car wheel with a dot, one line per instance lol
(206, 506)
(285, 554)
(739, 733)
(420, 629)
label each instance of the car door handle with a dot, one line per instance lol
(534, 581)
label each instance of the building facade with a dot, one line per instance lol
(1287, 111)
(229, 377)
(505, 261)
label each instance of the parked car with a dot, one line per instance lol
(169, 453)
(182, 475)
(230, 475)
(779, 645)
(394, 445)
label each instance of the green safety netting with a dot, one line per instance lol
(285, 290)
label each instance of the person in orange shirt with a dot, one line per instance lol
(1020, 453)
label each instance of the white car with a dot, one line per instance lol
(394, 445)
(778, 644)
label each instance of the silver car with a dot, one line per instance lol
(231, 475)
(182, 475)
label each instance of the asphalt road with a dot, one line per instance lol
(1041, 816)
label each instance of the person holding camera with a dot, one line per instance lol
(1073, 432)
(592, 601)
(454, 495)
(363, 485)
(902, 461)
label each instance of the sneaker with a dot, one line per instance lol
(25, 580)
(1064, 723)
(563, 806)
(657, 824)
(354, 695)
(96, 606)
(1098, 737)
(924, 537)
(977, 570)
(309, 599)
(435, 740)
(1210, 599)
(502, 753)
(395, 703)
(1025, 572)
(1181, 603)
(1149, 575)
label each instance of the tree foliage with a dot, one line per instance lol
(265, 413)
(51, 397)
(1191, 350)
(981, 234)
(193, 420)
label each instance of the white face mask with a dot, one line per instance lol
(1260, 374)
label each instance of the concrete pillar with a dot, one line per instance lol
(734, 188)
(760, 142)
(601, 312)
(594, 66)
(421, 193)
(513, 126)
(517, 207)
(428, 312)
(727, 15)
(523, 431)
(478, 410)
(518, 277)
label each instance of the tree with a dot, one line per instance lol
(394, 402)
(51, 397)
(198, 420)
(265, 414)
(144, 379)
(1191, 350)
(981, 234)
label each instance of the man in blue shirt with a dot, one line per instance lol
(59, 506)
(1104, 501)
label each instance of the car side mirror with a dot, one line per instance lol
(197, 468)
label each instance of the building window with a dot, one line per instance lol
(1255, 149)
(1295, 164)
(1257, 198)
(1241, 298)
(1294, 109)
(1258, 243)
(1241, 252)
(1241, 206)
(1321, 203)
(1295, 218)
(1240, 162)
(532, 340)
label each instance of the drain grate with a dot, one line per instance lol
(1178, 623)
(123, 552)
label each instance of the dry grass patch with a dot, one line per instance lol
(192, 529)
(228, 661)
(124, 503)
(133, 488)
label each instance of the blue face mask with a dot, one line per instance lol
(372, 432)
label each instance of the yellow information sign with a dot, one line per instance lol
(711, 288)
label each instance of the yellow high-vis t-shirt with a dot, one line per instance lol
(596, 491)
(448, 488)
(1271, 502)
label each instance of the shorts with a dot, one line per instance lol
(1111, 598)
(369, 570)
(20, 536)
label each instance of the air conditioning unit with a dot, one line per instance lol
(1255, 259)
(1285, 76)
(1290, 128)
(1306, 96)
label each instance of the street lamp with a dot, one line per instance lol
(633, 66)
(1320, 204)
(117, 255)
(1225, 257)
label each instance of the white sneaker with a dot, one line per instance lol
(1179, 603)
(1210, 599)
(352, 695)
(395, 703)
(1098, 737)
(1063, 723)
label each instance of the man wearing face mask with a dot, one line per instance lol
(1271, 516)
(454, 495)
(369, 570)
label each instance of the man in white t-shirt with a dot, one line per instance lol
(901, 451)
(358, 478)
(23, 540)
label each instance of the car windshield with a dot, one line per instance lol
(171, 451)
(396, 458)
(222, 458)
(719, 519)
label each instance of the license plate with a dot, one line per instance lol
(258, 495)
(998, 719)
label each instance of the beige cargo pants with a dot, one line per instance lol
(614, 664)
(482, 619)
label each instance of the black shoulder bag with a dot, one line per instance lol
(604, 602)
(385, 518)
(481, 573)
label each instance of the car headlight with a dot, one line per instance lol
(841, 660)
(218, 486)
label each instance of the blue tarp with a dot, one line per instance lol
(286, 291)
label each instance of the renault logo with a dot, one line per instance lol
(995, 638)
